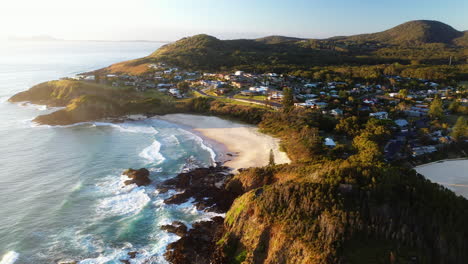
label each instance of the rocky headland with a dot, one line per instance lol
(208, 189)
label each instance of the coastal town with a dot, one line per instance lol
(246, 132)
(422, 114)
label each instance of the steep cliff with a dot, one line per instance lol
(389, 215)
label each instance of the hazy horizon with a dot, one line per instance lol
(163, 20)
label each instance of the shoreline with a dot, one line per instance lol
(240, 145)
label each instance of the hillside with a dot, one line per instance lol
(413, 32)
(399, 218)
(277, 39)
(428, 42)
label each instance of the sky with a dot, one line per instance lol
(168, 20)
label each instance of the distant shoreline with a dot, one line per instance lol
(86, 40)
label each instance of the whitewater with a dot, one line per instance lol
(61, 189)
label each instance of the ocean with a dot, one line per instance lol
(62, 195)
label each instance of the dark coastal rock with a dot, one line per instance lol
(132, 254)
(196, 246)
(139, 177)
(205, 186)
(176, 227)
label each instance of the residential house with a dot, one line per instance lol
(336, 112)
(329, 142)
(379, 115)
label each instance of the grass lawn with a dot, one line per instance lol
(256, 97)
(230, 101)
(197, 94)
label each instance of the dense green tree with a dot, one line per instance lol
(349, 126)
(460, 130)
(288, 99)
(272, 158)
(377, 130)
(403, 93)
(454, 106)
(436, 110)
(342, 94)
(183, 87)
(368, 150)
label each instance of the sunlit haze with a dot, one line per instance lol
(173, 19)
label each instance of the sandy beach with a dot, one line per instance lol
(249, 147)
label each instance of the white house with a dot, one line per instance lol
(330, 143)
(259, 89)
(89, 78)
(336, 112)
(379, 115)
(401, 122)
(174, 92)
(311, 85)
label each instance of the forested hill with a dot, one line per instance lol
(429, 42)
(413, 32)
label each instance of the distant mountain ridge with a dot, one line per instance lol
(425, 41)
(417, 31)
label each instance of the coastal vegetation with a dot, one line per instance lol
(315, 210)
(87, 101)
(418, 49)
(341, 204)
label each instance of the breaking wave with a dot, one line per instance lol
(152, 153)
(9, 258)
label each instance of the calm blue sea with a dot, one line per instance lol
(61, 191)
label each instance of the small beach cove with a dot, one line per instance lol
(246, 147)
(166, 145)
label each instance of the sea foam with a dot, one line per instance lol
(201, 143)
(129, 200)
(152, 153)
(9, 258)
(129, 127)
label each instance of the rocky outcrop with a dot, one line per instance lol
(139, 177)
(176, 227)
(196, 246)
(207, 186)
